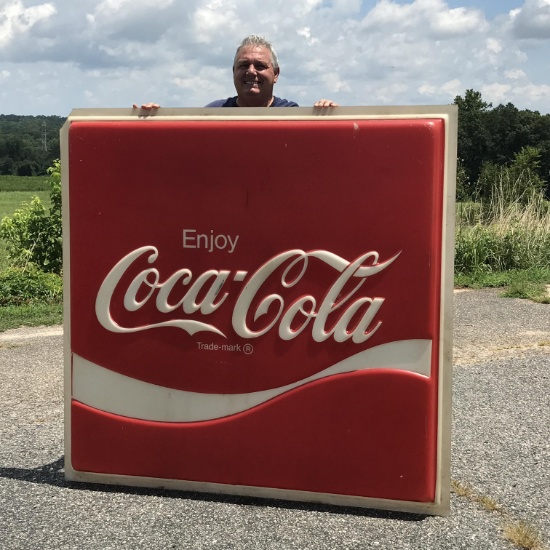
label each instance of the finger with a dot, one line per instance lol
(323, 103)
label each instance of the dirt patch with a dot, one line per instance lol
(488, 326)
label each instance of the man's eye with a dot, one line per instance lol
(258, 66)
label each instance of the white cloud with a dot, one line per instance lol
(458, 21)
(449, 90)
(499, 92)
(495, 93)
(494, 45)
(533, 92)
(452, 87)
(212, 19)
(306, 33)
(515, 74)
(389, 94)
(532, 20)
(334, 84)
(346, 6)
(125, 10)
(427, 90)
(15, 19)
(304, 7)
(179, 52)
(431, 15)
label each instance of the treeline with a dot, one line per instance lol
(487, 137)
(28, 144)
(501, 136)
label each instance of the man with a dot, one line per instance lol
(255, 72)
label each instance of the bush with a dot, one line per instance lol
(34, 237)
(518, 181)
(28, 286)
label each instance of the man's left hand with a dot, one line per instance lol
(325, 103)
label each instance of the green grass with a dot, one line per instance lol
(30, 316)
(24, 183)
(512, 237)
(10, 201)
(530, 284)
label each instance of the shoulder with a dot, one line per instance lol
(278, 102)
(229, 102)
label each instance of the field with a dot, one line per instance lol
(24, 183)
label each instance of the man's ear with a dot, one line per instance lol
(277, 72)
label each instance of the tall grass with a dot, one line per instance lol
(500, 234)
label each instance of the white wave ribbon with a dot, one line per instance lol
(122, 395)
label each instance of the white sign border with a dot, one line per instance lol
(449, 114)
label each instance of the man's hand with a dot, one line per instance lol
(147, 106)
(325, 103)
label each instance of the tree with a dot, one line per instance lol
(28, 144)
(474, 138)
(491, 138)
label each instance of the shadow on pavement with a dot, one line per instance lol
(53, 474)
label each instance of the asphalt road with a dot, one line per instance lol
(501, 449)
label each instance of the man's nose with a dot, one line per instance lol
(251, 69)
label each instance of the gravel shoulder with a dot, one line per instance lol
(500, 448)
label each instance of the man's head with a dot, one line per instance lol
(255, 71)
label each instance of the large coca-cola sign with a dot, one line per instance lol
(257, 306)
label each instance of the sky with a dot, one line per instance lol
(62, 54)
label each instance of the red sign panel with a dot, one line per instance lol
(254, 306)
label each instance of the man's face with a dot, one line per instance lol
(254, 77)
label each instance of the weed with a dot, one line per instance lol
(518, 532)
(489, 503)
(7, 345)
(461, 489)
(523, 535)
(466, 491)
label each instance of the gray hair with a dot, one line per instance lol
(260, 42)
